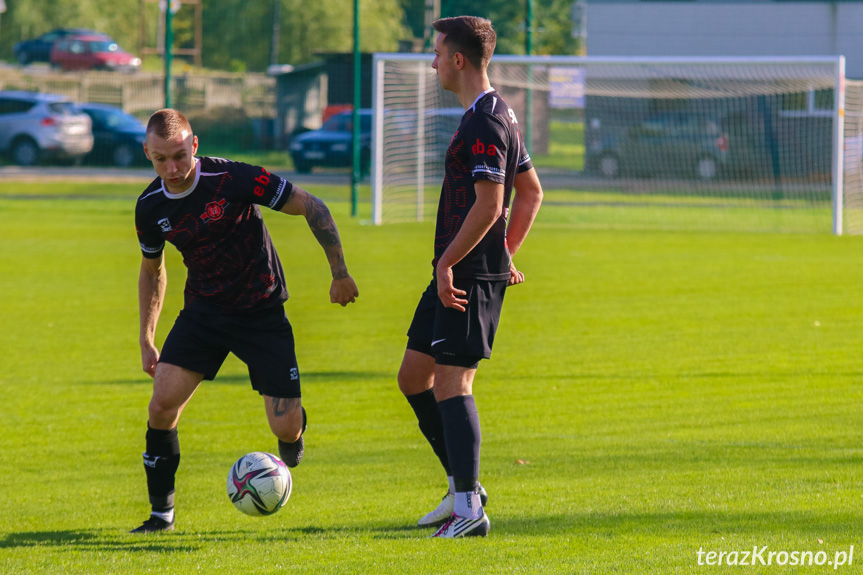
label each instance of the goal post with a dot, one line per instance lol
(839, 147)
(413, 122)
(718, 143)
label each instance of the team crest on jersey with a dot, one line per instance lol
(165, 225)
(214, 211)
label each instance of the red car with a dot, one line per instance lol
(83, 52)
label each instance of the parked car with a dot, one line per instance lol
(440, 124)
(39, 49)
(674, 143)
(88, 52)
(36, 127)
(118, 136)
(331, 144)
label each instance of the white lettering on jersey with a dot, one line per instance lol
(512, 116)
(278, 195)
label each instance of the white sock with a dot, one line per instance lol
(166, 515)
(467, 504)
(451, 484)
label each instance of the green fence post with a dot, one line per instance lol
(355, 172)
(169, 42)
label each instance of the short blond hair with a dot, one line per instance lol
(167, 123)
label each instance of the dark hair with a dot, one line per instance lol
(472, 36)
(167, 123)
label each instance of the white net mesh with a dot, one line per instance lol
(853, 158)
(713, 144)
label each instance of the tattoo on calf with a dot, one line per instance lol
(282, 405)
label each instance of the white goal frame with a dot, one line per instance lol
(423, 61)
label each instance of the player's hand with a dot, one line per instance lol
(149, 358)
(515, 276)
(344, 291)
(449, 295)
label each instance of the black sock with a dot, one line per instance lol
(463, 438)
(160, 463)
(428, 415)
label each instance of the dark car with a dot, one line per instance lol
(118, 136)
(674, 143)
(439, 126)
(89, 52)
(331, 145)
(39, 49)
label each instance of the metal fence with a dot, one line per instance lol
(251, 94)
(235, 111)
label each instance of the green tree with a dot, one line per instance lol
(238, 31)
(237, 34)
(414, 16)
(552, 32)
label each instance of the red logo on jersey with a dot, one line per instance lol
(480, 148)
(214, 211)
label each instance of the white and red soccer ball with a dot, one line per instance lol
(259, 484)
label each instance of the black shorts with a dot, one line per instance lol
(454, 337)
(263, 340)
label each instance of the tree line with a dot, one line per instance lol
(239, 35)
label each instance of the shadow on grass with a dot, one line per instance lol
(95, 539)
(753, 525)
(180, 540)
(240, 378)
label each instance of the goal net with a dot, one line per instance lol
(737, 144)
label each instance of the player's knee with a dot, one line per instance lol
(410, 383)
(405, 383)
(415, 376)
(162, 415)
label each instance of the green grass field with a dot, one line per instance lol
(652, 393)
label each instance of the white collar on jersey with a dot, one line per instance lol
(191, 188)
(478, 98)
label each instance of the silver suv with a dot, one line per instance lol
(36, 127)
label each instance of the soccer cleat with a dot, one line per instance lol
(442, 513)
(463, 527)
(292, 453)
(153, 525)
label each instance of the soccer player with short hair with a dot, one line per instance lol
(454, 324)
(208, 208)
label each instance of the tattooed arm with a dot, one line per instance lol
(301, 203)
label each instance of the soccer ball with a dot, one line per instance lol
(259, 484)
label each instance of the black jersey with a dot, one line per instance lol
(217, 227)
(486, 146)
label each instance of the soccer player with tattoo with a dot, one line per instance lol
(454, 324)
(208, 208)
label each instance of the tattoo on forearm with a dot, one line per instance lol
(321, 222)
(282, 405)
(324, 228)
